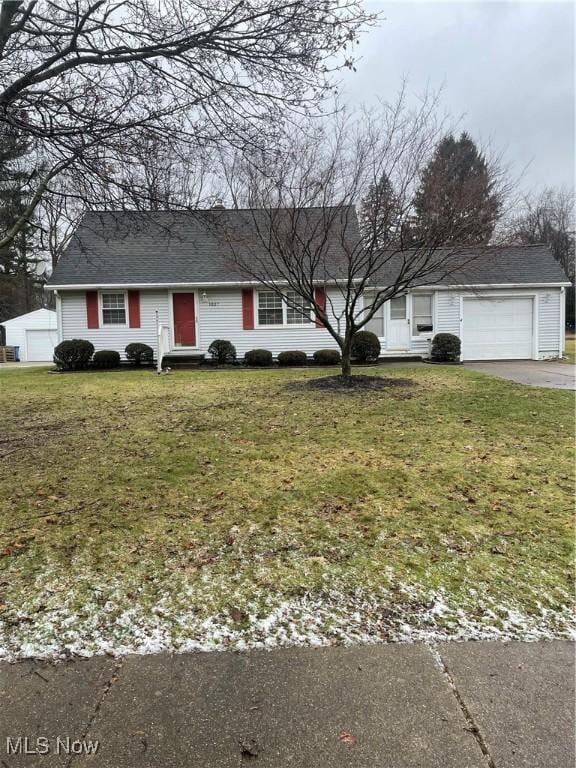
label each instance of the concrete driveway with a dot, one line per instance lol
(536, 373)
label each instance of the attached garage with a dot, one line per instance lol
(498, 328)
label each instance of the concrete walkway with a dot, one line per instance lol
(537, 373)
(455, 705)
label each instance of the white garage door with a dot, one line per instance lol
(497, 329)
(40, 345)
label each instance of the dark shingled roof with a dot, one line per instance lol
(486, 265)
(168, 247)
(184, 246)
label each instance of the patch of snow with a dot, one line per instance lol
(107, 622)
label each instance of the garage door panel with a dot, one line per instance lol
(40, 345)
(497, 328)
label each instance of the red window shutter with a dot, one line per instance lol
(134, 309)
(248, 309)
(320, 299)
(92, 309)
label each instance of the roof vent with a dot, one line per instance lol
(218, 204)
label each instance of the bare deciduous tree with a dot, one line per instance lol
(82, 80)
(304, 231)
(548, 217)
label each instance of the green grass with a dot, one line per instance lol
(209, 494)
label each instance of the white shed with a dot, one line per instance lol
(35, 333)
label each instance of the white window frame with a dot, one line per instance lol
(285, 323)
(426, 334)
(101, 294)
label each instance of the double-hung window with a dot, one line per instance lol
(273, 310)
(113, 309)
(270, 308)
(298, 310)
(422, 314)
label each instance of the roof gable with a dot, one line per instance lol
(168, 247)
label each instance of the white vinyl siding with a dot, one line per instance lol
(74, 321)
(447, 312)
(549, 331)
(219, 313)
(376, 323)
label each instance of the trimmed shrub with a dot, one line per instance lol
(327, 357)
(445, 348)
(365, 347)
(139, 353)
(258, 358)
(106, 358)
(73, 355)
(292, 357)
(222, 351)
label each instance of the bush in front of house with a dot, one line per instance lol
(222, 351)
(258, 358)
(106, 358)
(139, 353)
(365, 347)
(73, 355)
(327, 357)
(445, 348)
(292, 357)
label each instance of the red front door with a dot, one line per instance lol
(184, 320)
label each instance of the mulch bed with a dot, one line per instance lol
(351, 383)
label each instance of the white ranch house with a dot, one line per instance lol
(165, 280)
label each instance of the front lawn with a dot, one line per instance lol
(205, 510)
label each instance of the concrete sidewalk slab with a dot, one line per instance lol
(521, 697)
(335, 708)
(49, 701)
(459, 705)
(536, 373)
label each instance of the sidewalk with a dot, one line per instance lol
(457, 705)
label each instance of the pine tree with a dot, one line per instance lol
(457, 200)
(379, 213)
(19, 291)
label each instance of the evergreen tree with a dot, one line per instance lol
(379, 213)
(458, 200)
(20, 289)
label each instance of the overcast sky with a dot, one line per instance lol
(507, 69)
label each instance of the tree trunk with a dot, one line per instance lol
(346, 362)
